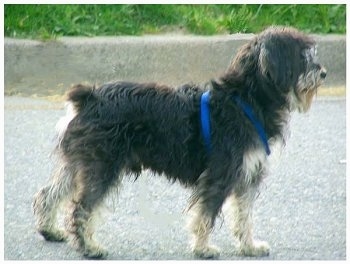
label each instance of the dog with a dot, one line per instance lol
(213, 138)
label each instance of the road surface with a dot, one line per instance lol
(301, 210)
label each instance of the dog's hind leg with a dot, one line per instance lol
(92, 182)
(46, 203)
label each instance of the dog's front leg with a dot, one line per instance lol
(206, 203)
(201, 225)
(240, 205)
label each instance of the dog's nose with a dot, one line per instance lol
(323, 73)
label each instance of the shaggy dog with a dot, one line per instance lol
(214, 138)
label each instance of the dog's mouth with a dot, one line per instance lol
(306, 89)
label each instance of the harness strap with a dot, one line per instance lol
(248, 111)
(205, 120)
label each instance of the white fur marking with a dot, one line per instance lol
(62, 124)
(254, 161)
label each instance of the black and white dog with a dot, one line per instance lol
(213, 139)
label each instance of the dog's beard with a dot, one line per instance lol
(302, 96)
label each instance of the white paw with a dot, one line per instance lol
(256, 249)
(95, 252)
(208, 252)
(55, 235)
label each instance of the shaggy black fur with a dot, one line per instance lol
(126, 127)
(138, 125)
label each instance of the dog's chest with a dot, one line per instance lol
(254, 165)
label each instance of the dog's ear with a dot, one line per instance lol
(276, 63)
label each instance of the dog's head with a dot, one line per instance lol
(283, 61)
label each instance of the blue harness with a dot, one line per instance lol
(248, 111)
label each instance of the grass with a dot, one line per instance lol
(52, 21)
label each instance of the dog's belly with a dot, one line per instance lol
(173, 163)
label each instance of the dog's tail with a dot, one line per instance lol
(77, 98)
(80, 95)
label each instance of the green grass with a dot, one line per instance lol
(51, 21)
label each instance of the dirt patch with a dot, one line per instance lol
(332, 91)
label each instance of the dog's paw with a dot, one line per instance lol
(208, 252)
(54, 235)
(95, 252)
(256, 249)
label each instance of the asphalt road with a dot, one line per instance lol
(301, 210)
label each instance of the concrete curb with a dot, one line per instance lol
(48, 68)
